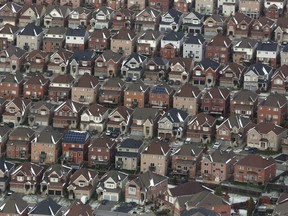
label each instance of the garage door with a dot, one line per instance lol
(110, 197)
(51, 192)
(44, 123)
(58, 193)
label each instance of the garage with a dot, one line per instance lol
(110, 197)
(51, 192)
(44, 123)
(58, 193)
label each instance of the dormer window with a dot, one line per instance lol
(243, 27)
(133, 64)
(56, 60)
(81, 183)
(12, 110)
(84, 63)
(3, 59)
(99, 64)
(53, 179)
(20, 178)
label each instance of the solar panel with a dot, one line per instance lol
(158, 89)
(75, 137)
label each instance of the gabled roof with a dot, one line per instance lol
(13, 78)
(282, 72)
(188, 150)
(124, 111)
(188, 90)
(37, 79)
(269, 46)
(62, 10)
(63, 79)
(246, 43)
(39, 104)
(153, 12)
(81, 10)
(87, 81)
(59, 30)
(150, 35)
(37, 9)
(46, 207)
(131, 143)
(101, 34)
(198, 15)
(237, 121)
(4, 130)
(162, 88)
(157, 147)
(109, 54)
(274, 100)
(145, 113)
(207, 63)
(86, 173)
(96, 110)
(125, 11)
(245, 95)
(6, 166)
(187, 188)
(33, 53)
(22, 132)
(14, 204)
(117, 176)
(102, 142)
(202, 119)
(15, 8)
(219, 156)
(125, 34)
(186, 63)
(217, 92)
(149, 179)
(194, 39)
(48, 135)
(175, 116)
(105, 9)
(282, 22)
(113, 82)
(260, 69)
(74, 106)
(64, 54)
(136, 56)
(220, 41)
(266, 127)
(28, 169)
(12, 50)
(173, 36)
(158, 60)
(83, 55)
(239, 17)
(175, 14)
(237, 69)
(31, 30)
(138, 87)
(21, 104)
(78, 208)
(199, 212)
(60, 170)
(77, 32)
(265, 21)
(217, 18)
(73, 136)
(8, 29)
(253, 160)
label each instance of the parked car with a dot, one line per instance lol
(128, 79)
(177, 82)
(251, 150)
(114, 134)
(216, 145)
(170, 82)
(49, 73)
(108, 132)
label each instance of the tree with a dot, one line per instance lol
(250, 206)
(218, 191)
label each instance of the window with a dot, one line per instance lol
(132, 190)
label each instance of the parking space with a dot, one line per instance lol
(108, 206)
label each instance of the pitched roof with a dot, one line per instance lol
(6, 166)
(77, 32)
(15, 8)
(4, 130)
(62, 10)
(220, 156)
(46, 207)
(150, 35)
(125, 34)
(48, 135)
(39, 104)
(220, 40)
(131, 143)
(217, 18)
(187, 188)
(13, 78)
(188, 150)
(100, 34)
(60, 170)
(83, 55)
(246, 43)
(162, 88)
(14, 204)
(194, 39)
(145, 113)
(188, 90)
(282, 22)
(63, 78)
(64, 54)
(31, 30)
(81, 10)
(153, 12)
(136, 56)
(207, 63)
(237, 69)
(28, 169)
(175, 116)
(149, 179)
(199, 212)
(266, 127)
(157, 147)
(115, 175)
(73, 136)
(239, 17)
(175, 14)
(263, 21)
(37, 9)
(87, 81)
(260, 69)
(124, 111)
(9, 29)
(37, 79)
(245, 95)
(114, 82)
(173, 36)
(237, 121)
(268, 46)
(158, 60)
(202, 119)
(86, 173)
(103, 141)
(253, 160)
(137, 86)
(96, 110)
(217, 92)
(12, 50)
(74, 106)
(59, 30)
(78, 208)
(282, 71)
(109, 54)
(22, 132)
(274, 100)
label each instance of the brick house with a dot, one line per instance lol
(76, 39)
(80, 16)
(14, 204)
(59, 61)
(75, 146)
(244, 51)
(214, 25)
(36, 61)
(54, 39)
(56, 16)
(255, 169)
(81, 62)
(123, 17)
(148, 42)
(102, 18)
(147, 19)
(245, 103)
(111, 92)
(193, 23)
(205, 7)
(8, 34)
(16, 111)
(266, 135)
(258, 77)
(268, 53)
(273, 12)
(140, 190)
(186, 161)
(19, 144)
(99, 40)
(219, 49)
(145, 122)
(67, 114)
(183, 5)
(12, 86)
(101, 152)
(119, 120)
(26, 178)
(284, 55)
(187, 98)
(278, 80)
(30, 37)
(124, 42)
(136, 95)
(72, 4)
(161, 5)
(85, 89)
(4, 133)
(114, 4)
(231, 76)
(280, 34)
(55, 180)
(36, 87)
(156, 157)
(135, 5)
(171, 20)
(233, 130)
(78, 208)
(133, 66)
(10, 13)
(128, 154)
(31, 13)
(172, 44)
(173, 124)
(108, 64)
(82, 183)
(201, 128)
(161, 96)
(94, 117)
(263, 28)
(12, 59)
(218, 166)
(46, 147)
(245, 8)
(156, 68)
(206, 73)
(216, 101)
(41, 113)
(273, 109)
(5, 172)
(60, 87)
(239, 25)
(181, 69)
